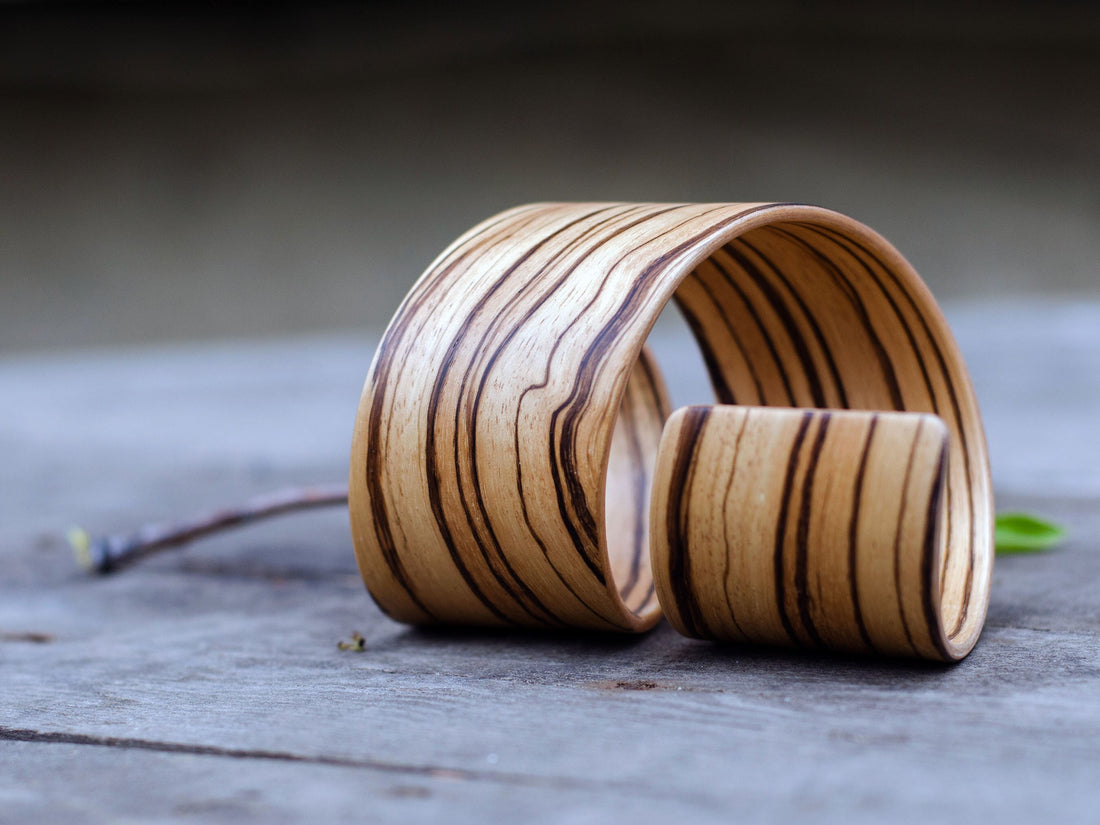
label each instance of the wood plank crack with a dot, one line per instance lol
(8, 734)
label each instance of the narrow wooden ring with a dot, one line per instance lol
(485, 428)
(812, 528)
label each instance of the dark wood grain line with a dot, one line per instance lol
(786, 321)
(723, 393)
(677, 533)
(931, 534)
(781, 527)
(731, 279)
(656, 386)
(810, 318)
(731, 550)
(853, 535)
(842, 281)
(641, 483)
(802, 548)
(897, 536)
(718, 378)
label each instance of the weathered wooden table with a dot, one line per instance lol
(207, 685)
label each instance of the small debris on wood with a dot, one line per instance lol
(357, 644)
(31, 636)
(628, 684)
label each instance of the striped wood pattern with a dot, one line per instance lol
(815, 528)
(484, 435)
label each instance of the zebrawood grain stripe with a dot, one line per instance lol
(853, 535)
(678, 523)
(802, 546)
(780, 583)
(506, 440)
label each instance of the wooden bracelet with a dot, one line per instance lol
(482, 489)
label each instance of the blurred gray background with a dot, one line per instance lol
(177, 172)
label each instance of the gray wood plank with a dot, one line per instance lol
(208, 684)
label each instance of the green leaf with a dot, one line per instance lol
(1022, 533)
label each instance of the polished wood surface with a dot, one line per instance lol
(480, 481)
(812, 528)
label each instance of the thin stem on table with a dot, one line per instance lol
(108, 553)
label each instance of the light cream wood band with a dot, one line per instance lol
(480, 489)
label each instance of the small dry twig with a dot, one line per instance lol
(109, 553)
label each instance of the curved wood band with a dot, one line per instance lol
(814, 528)
(479, 483)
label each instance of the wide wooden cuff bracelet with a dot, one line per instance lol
(509, 428)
